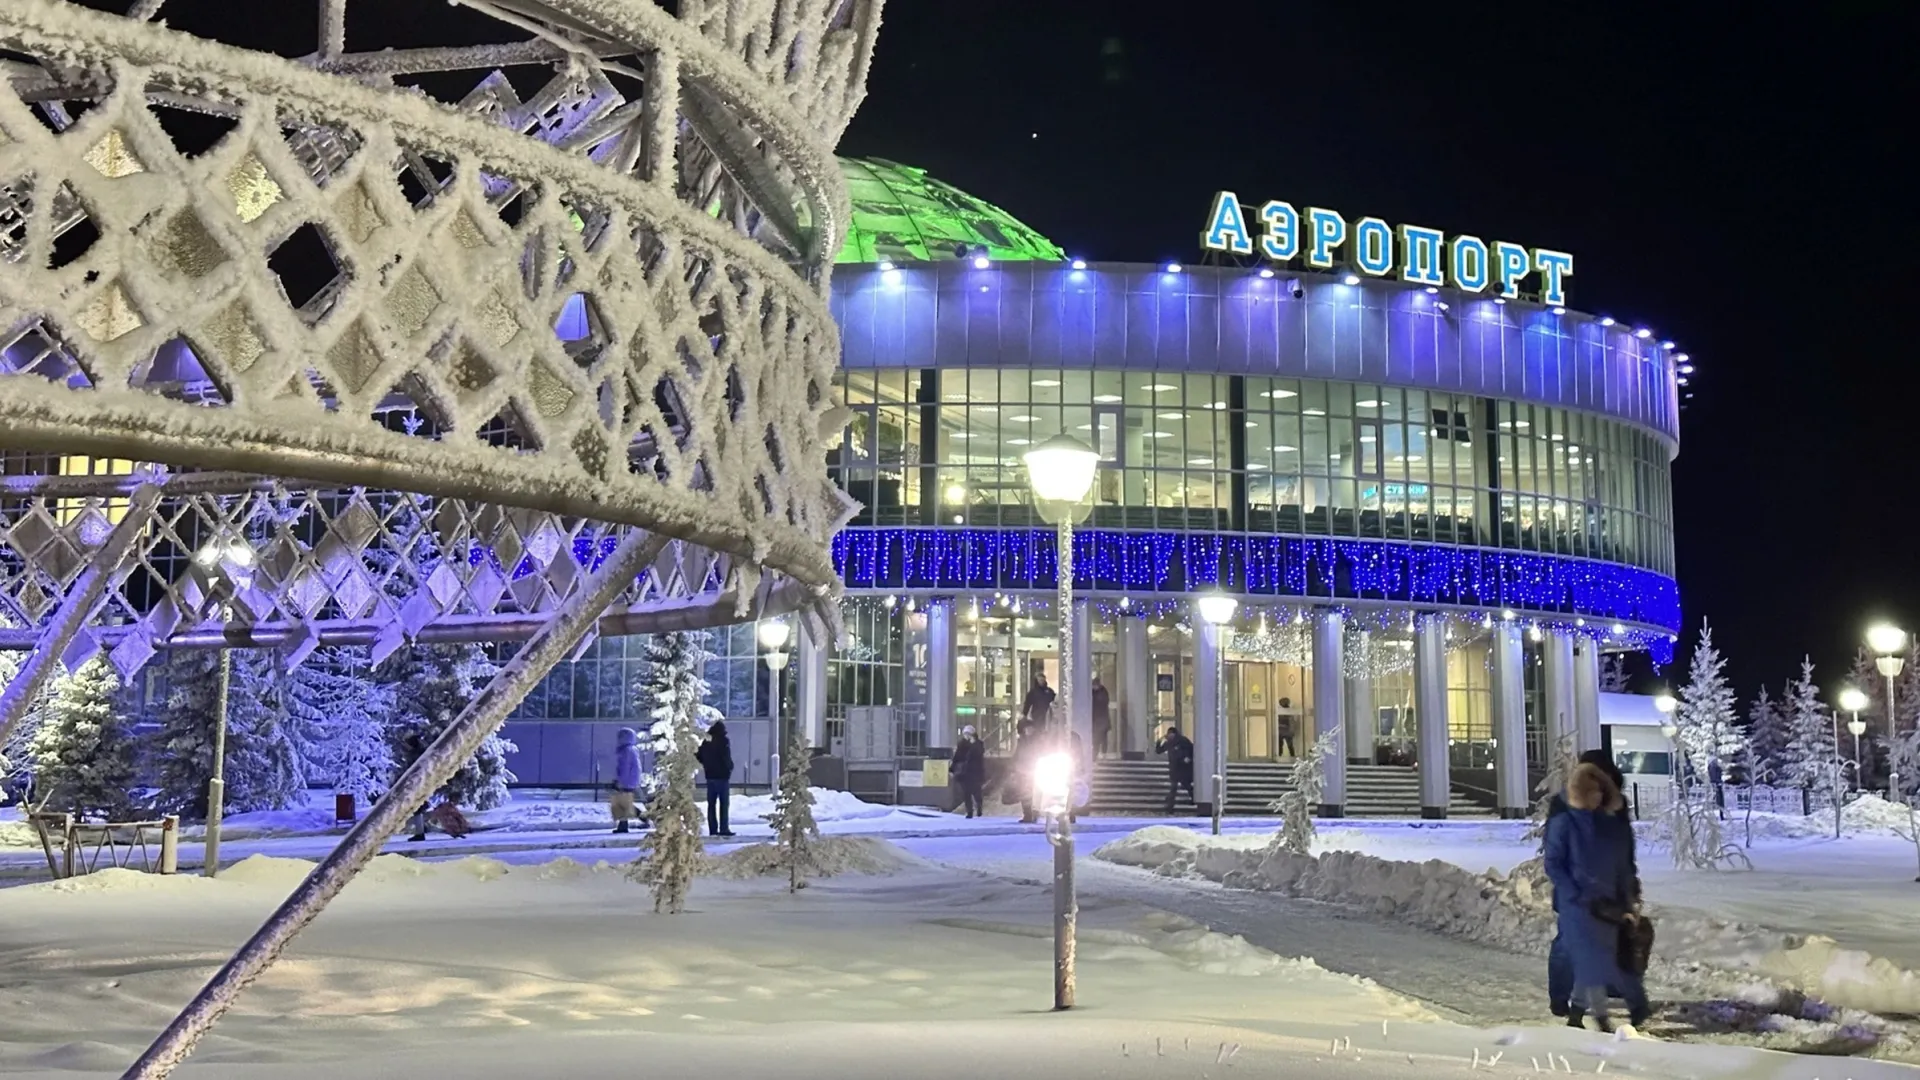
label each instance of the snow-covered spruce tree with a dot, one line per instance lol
(794, 830)
(340, 714)
(431, 685)
(1767, 738)
(1297, 806)
(16, 754)
(1551, 786)
(1809, 756)
(179, 746)
(262, 770)
(672, 690)
(1705, 717)
(84, 752)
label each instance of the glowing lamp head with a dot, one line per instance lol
(1431, 291)
(1886, 639)
(773, 634)
(1606, 320)
(1061, 469)
(1852, 699)
(1351, 279)
(1053, 782)
(1266, 271)
(1857, 727)
(1217, 608)
(1643, 333)
(1559, 311)
(1174, 268)
(981, 262)
(1079, 264)
(1665, 703)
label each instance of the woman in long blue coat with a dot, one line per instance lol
(1590, 862)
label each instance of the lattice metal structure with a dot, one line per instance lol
(598, 305)
(546, 357)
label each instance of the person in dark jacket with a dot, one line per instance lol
(1559, 968)
(970, 770)
(1590, 862)
(1179, 751)
(1039, 704)
(1026, 748)
(716, 763)
(626, 778)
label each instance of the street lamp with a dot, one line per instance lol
(1060, 471)
(229, 561)
(1666, 704)
(773, 635)
(1217, 609)
(1855, 702)
(1890, 643)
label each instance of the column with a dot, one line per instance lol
(1510, 721)
(1329, 707)
(1206, 711)
(810, 686)
(1430, 709)
(1556, 679)
(1136, 687)
(943, 673)
(1586, 694)
(1362, 720)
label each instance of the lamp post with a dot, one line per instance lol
(1217, 609)
(773, 634)
(1060, 471)
(229, 562)
(1854, 701)
(1890, 643)
(1665, 703)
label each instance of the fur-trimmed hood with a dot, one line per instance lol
(1590, 788)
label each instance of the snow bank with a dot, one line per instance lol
(1515, 912)
(1868, 815)
(833, 855)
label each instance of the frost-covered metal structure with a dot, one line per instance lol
(545, 356)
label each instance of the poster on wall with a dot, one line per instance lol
(916, 692)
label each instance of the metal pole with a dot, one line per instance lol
(1219, 722)
(217, 783)
(1066, 907)
(1838, 799)
(482, 717)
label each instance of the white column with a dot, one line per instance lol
(1082, 718)
(1556, 679)
(810, 688)
(1510, 721)
(1430, 709)
(943, 671)
(1330, 706)
(1206, 709)
(1362, 720)
(1136, 687)
(1586, 694)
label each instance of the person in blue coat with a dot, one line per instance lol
(1590, 862)
(1559, 969)
(626, 778)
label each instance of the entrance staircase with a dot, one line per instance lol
(1140, 787)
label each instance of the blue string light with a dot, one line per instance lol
(989, 559)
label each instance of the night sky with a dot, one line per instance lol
(1727, 180)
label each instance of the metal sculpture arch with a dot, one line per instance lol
(548, 358)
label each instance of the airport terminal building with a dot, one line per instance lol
(1439, 506)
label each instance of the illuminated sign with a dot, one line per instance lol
(1417, 254)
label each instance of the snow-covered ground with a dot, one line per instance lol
(477, 969)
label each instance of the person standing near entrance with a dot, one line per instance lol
(1026, 748)
(1102, 721)
(626, 778)
(1179, 751)
(1283, 730)
(716, 764)
(970, 770)
(1039, 703)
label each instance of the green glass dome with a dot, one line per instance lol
(901, 214)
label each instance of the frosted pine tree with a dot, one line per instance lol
(1705, 718)
(16, 754)
(432, 684)
(84, 753)
(1296, 807)
(340, 714)
(672, 690)
(1809, 757)
(1551, 787)
(794, 829)
(1767, 738)
(262, 768)
(179, 747)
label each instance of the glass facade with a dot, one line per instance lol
(1260, 455)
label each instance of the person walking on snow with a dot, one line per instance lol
(626, 778)
(1039, 704)
(1179, 751)
(1559, 968)
(716, 763)
(1590, 862)
(970, 770)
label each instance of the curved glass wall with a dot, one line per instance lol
(1251, 454)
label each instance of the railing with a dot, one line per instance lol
(74, 846)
